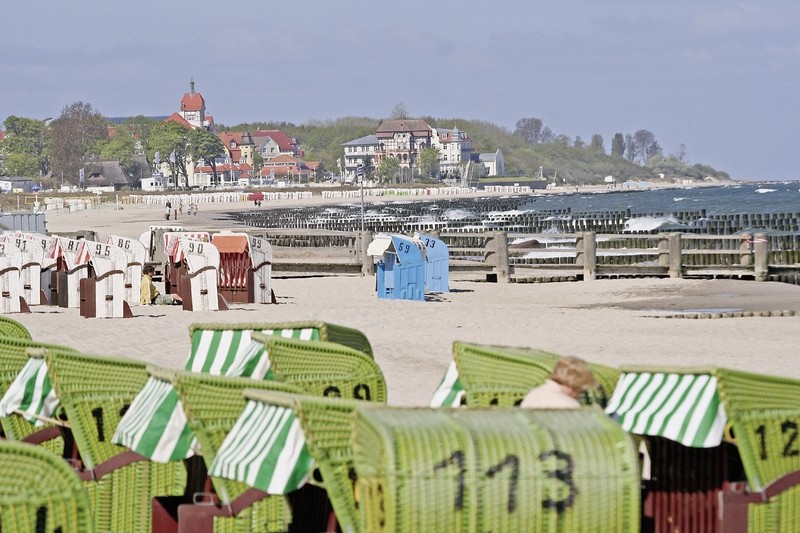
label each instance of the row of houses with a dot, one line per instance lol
(282, 158)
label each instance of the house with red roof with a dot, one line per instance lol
(272, 143)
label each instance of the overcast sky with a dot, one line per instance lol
(721, 77)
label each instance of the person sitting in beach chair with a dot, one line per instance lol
(149, 295)
(570, 377)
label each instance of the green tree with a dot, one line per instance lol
(618, 146)
(171, 141)
(428, 162)
(119, 147)
(25, 147)
(368, 166)
(389, 169)
(645, 146)
(73, 134)
(533, 131)
(597, 143)
(206, 146)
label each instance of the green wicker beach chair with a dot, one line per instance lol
(495, 375)
(704, 408)
(95, 392)
(477, 470)
(11, 328)
(39, 492)
(221, 339)
(328, 430)
(324, 368)
(13, 358)
(212, 405)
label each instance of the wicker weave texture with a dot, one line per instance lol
(328, 332)
(212, 405)
(11, 328)
(40, 492)
(13, 356)
(94, 392)
(494, 470)
(325, 368)
(328, 429)
(495, 375)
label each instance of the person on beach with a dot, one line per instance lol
(149, 295)
(168, 212)
(569, 378)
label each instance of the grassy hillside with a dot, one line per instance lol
(322, 141)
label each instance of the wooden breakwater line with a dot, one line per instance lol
(529, 257)
(511, 214)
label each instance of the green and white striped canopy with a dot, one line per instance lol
(31, 392)
(450, 390)
(155, 425)
(685, 408)
(266, 449)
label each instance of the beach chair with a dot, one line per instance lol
(324, 368)
(497, 375)
(103, 292)
(39, 492)
(477, 470)
(245, 267)
(12, 328)
(70, 270)
(198, 287)
(212, 404)
(136, 254)
(327, 425)
(35, 249)
(10, 267)
(30, 274)
(94, 392)
(19, 395)
(723, 446)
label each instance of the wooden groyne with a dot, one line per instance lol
(530, 257)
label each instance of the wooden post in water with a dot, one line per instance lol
(502, 266)
(586, 253)
(663, 250)
(675, 256)
(761, 256)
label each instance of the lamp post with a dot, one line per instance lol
(360, 177)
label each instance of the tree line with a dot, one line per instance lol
(55, 150)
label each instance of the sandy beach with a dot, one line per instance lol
(614, 322)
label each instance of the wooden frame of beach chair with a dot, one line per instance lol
(40, 492)
(212, 405)
(328, 429)
(324, 368)
(94, 392)
(13, 357)
(763, 413)
(500, 375)
(558, 470)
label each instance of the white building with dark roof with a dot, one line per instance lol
(357, 152)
